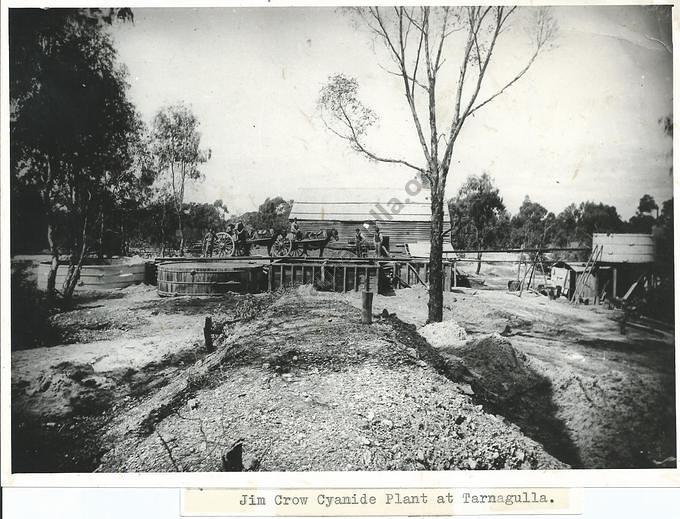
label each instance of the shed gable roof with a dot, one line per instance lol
(361, 211)
(360, 205)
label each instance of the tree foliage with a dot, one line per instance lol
(155, 224)
(72, 128)
(598, 218)
(272, 214)
(176, 150)
(475, 211)
(531, 225)
(477, 214)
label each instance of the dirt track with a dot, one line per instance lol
(308, 388)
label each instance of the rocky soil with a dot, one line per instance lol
(297, 381)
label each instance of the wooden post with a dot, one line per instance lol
(270, 277)
(455, 278)
(614, 286)
(207, 334)
(447, 277)
(366, 307)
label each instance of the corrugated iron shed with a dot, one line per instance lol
(361, 211)
(625, 248)
(404, 218)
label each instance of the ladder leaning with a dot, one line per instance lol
(591, 266)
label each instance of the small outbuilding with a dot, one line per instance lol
(629, 257)
(566, 275)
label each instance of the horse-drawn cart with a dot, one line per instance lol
(296, 246)
(227, 244)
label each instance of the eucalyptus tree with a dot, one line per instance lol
(72, 127)
(176, 148)
(424, 44)
(477, 213)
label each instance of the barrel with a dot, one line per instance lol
(111, 274)
(204, 279)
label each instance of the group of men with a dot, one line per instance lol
(361, 245)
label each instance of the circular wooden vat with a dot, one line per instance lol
(113, 273)
(203, 279)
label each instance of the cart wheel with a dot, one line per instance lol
(297, 252)
(283, 247)
(226, 246)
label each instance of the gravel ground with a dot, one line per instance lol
(593, 396)
(310, 388)
(307, 387)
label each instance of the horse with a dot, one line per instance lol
(319, 240)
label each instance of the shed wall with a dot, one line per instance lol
(625, 248)
(398, 232)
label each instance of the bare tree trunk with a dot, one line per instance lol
(163, 230)
(479, 253)
(100, 253)
(49, 216)
(436, 300)
(181, 232)
(54, 263)
(77, 258)
(74, 269)
(124, 245)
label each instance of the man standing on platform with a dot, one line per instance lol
(295, 229)
(209, 243)
(241, 237)
(359, 244)
(378, 242)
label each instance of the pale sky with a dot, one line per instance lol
(581, 125)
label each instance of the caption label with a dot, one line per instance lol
(320, 502)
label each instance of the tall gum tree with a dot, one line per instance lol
(176, 148)
(422, 44)
(71, 124)
(477, 212)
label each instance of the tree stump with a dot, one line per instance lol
(207, 334)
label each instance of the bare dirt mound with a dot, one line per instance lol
(502, 371)
(306, 386)
(507, 382)
(618, 419)
(444, 334)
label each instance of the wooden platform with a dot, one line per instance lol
(206, 276)
(336, 276)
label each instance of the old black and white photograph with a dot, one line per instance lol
(331, 239)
